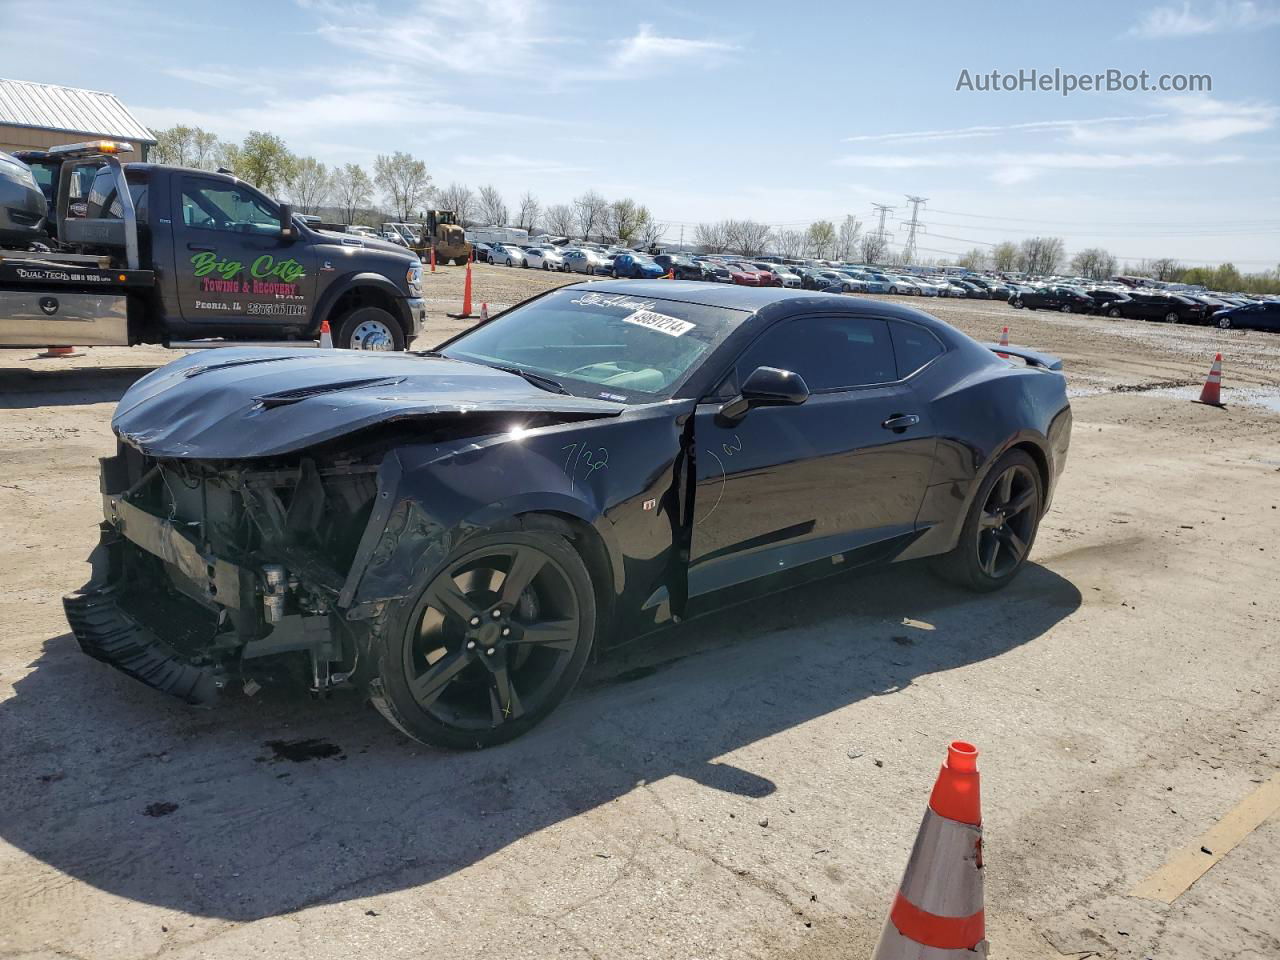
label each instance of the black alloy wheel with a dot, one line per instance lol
(1000, 528)
(491, 644)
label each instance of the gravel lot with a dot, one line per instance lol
(744, 786)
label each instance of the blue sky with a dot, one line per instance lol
(780, 112)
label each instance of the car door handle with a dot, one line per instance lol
(900, 421)
(200, 247)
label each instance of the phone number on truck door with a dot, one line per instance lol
(278, 309)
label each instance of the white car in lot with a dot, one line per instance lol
(581, 260)
(788, 278)
(509, 255)
(543, 258)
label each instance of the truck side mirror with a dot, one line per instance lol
(766, 387)
(287, 230)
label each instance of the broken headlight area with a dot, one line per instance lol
(209, 573)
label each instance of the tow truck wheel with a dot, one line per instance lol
(369, 328)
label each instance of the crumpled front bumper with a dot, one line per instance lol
(106, 631)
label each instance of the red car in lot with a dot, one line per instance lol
(751, 276)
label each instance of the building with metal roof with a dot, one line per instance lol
(36, 116)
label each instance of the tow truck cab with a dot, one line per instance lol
(149, 253)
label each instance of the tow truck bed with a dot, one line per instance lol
(65, 299)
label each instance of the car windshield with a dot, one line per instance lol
(610, 345)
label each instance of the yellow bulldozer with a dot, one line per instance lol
(440, 229)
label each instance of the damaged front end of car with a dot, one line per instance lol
(205, 566)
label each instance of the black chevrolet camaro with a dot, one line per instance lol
(454, 533)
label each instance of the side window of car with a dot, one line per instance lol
(831, 353)
(913, 347)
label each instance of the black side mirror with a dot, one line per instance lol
(767, 387)
(287, 231)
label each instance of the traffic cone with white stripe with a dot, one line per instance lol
(938, 913)
(1212, 392)
(484, 311)
(326, 337)
(1004, 342)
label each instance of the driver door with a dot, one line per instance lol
(234, 271)
(787, 485)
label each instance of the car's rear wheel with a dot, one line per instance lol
(1065, 308)
(1000, 528)
(490, 644)
(1113, 313)
(369, 328)
(1017, 303)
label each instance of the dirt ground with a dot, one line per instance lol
(744, 786)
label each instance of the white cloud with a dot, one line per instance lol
(1191, 119)
(988, 130)
(1010, 167)
(1187, 21)
(647, 47)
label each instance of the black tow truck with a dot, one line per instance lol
(148, 253)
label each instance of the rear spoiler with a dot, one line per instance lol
(1034, 358)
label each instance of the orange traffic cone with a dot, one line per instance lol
(433, 258)
(466, 295)
(326, 336)
(51, 353)
(671, 274)
(1004, 342)
(484, 311)
(1212, 392)
(938, 912)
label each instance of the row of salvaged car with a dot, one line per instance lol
(1170, 306)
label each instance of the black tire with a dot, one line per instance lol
(1017, 304)
(1113, 313)
(369, 328)
(468, 697)
(976, 562)
(1171, 317)
(1065, 308)
(1224, 323)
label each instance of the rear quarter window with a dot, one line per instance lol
(913, 347)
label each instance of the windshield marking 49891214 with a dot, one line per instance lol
(671, 326)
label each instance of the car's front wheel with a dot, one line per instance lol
(1017, 303)
(1065, 308)
(1000, 528)
(1171, 317)
(1113, 313)
(490, 644)
(1224, 323)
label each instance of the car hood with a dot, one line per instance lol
(240, 403)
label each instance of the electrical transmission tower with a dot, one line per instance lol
(913, 225)
(884, 210)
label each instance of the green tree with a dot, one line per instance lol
(404, 181)
(266, 162)
(186, 146)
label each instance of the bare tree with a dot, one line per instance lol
(789, 243)
(1004, 256)
(651, 231)
(820, 239)
(529, 210)
(186, 147)
(310, 184)
(352, 189)
(404, 181)
(591, 210)
(1094, 263)
(975, 259)
(459, 198)
(710, 237)
(1041, 255)
(747, 238)
(560, 219)
(847, 239)
(1165, 268)
(875, 247)
(492, 208)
